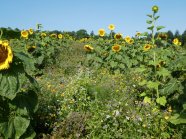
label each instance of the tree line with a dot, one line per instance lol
(9, 33)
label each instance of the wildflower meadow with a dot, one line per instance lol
(56, 85)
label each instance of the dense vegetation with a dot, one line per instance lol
(79, 85)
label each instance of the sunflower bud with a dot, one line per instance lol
(155, 9)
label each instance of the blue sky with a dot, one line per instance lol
(128, 16)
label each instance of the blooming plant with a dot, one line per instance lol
(18, 92)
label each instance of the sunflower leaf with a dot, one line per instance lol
(162, 100)
(159, 27)
(149, 22)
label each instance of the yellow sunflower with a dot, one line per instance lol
(118, 36)
(127, 39)
(116, 48)
(101, 32)
(138, 34)
(6, 56)
(34, 47)
(111, 27)
(43, 34)
(24, 34)
(5, 43)
(158, 66)
(162, 36)
(31, 31)
(131, 41)
(88, 48)
(53, 35)
(60, 36)
(175, 41)
(147, 47)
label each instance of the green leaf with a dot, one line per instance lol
(14, 127)
(119, 57)
(156, 17)
(6, 128)
(122, 66)
(184, 106)
(98, 59)
(9, 85)
(149, 22)
(20, 126)
(143, 94)
(149, 15)
(113, 64)
(178, 119)
(159, 27)
(151, 28)
(170, 87)
(27, 61)
(29, 134)
(161, 100)
(140, 69)
(28, 101)
(40, 59)
(153, 85)
(144, 34)
(142, 83)
(147, 100)
(163, 72)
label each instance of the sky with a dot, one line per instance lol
(128, 16)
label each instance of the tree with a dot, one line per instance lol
(92, 33)
(184, 38)
(170, 35)
(82, 33)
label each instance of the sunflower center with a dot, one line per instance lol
(116, 47)
(147, 46)
(3, 54)
(118, 36)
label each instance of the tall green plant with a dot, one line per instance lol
(18, 96)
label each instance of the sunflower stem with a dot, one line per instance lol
(153, 24)
(111, 34)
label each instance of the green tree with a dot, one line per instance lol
(82, 33)
(184, 38)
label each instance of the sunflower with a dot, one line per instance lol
(88, 48)
(118, 36)
(158, 66)
(162, 36)
(138, 34)
(111, 27)
(60, 36)
(6, 56)
(34, 46)
(131, 41)
(127, 39)
(24, 34)
(31, 31)
(101, 32)
(53, 35)
(175, 41)
(43, 34)
(155, 9)
(5, 43)
(116, 48)
(147, 47)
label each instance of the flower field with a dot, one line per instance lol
(110, 85)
